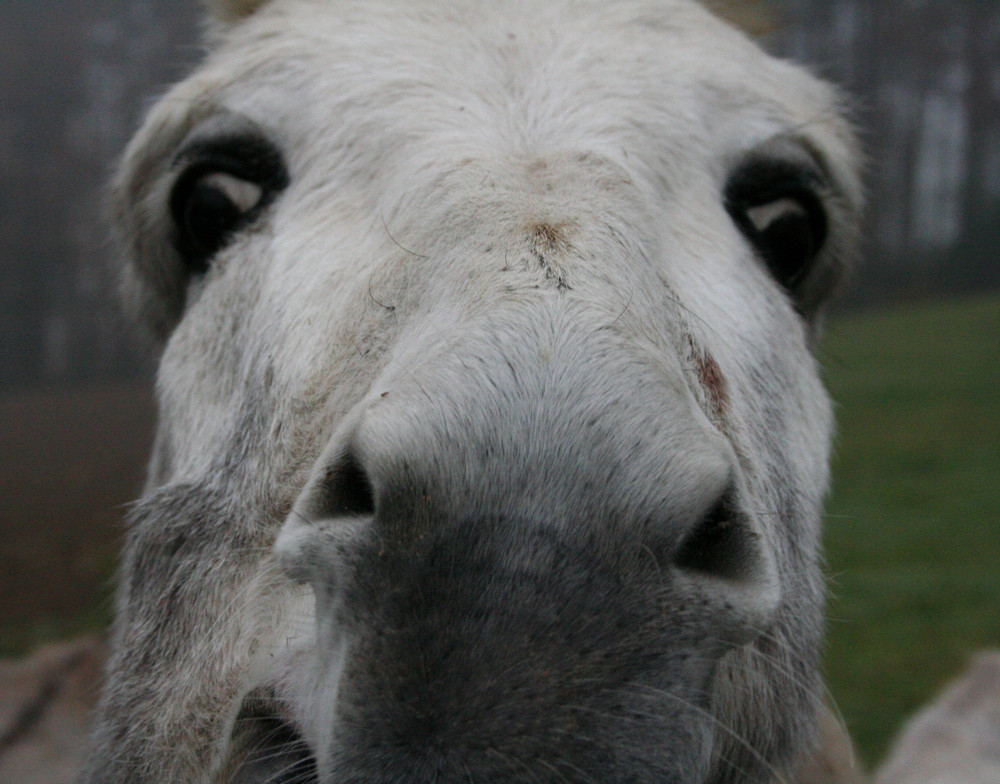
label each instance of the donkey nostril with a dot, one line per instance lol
(346, 489)
(336, 504)
(722, 544)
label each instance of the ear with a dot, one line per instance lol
(228, 11)
(753, 17)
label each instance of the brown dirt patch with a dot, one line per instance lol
(70, 460)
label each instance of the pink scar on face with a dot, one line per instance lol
(711, 379)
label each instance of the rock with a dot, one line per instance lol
(45, 705)
(956, 739)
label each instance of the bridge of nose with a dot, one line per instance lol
(543, 415)
(550, 416)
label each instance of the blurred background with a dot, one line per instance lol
(912, 355)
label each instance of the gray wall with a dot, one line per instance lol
(926, 79)
(74, 79)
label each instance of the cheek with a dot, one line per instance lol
(204, 371)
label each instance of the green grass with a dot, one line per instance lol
(913, 531)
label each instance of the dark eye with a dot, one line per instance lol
(775, 205)
(208, 212)
(223, 187)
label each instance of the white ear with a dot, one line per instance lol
(231, 10)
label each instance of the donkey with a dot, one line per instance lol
(492, 446)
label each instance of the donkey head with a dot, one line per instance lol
(491, 443)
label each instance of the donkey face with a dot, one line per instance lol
(491, 445)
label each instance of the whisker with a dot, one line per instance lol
(715, 721)
(512, 762)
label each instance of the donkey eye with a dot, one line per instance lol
(223, 188)
(777, 208)
(211, 209)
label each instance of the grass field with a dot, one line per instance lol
(913, 532)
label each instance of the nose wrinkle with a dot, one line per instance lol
(567, 424)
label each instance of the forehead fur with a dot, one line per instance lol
(705, 95)
(750, 15)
